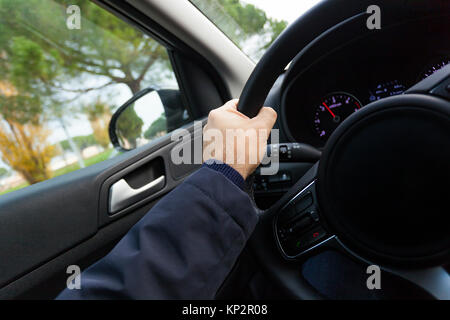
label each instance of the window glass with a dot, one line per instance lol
(65, 67)
(253, 24)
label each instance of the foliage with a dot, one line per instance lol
(72, 167)
(104, 46)
(24, 144)
(25, 68)
(129, 127)
(40, 59)
(45, 68)
(240, 21)
(24, 148)
(88, 162)
(23, 185)
(99, 115)
(158, 126)
(250, 18)
(82, 142)
(3, 172)
(39, 56)
(276, 27)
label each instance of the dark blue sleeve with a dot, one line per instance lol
(183, 248)
(226, 170)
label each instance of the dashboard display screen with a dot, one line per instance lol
(328, 86)
(386, 89)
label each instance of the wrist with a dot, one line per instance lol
(241, 169)
(228, 171)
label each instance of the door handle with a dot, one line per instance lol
(121, 195)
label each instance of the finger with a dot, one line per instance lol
(238, 113)
(268, 116)
(232, 104)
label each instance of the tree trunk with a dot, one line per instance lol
(72, 144)
(134, 85)
(63, 153)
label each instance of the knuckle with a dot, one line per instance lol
(212, 114)
(272, 113)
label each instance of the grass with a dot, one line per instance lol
(72, 167)
(87, 162)
(23, 185)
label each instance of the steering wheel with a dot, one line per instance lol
(379, 193)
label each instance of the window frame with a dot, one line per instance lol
(179, 55)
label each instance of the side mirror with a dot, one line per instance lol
(150, 113)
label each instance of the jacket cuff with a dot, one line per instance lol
(227, 171)
(226, 195)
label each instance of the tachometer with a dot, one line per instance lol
(332, 110)
(432, 68)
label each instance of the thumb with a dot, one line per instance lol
(267, 116)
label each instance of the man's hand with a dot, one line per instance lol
(235, 139)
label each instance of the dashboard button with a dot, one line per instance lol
(280, 177)
(287, 214)
(314, 236)
(294, 211)
(301, 225)
(303, 203)
(299, 244)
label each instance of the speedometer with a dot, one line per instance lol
(332, 110)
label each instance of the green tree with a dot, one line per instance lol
(24, 143)
(240, 21)
(159, 125)
(26, 149)
(3, 172)
(129, 127)
(104, 46)
(43, 59)
(82, 142)
(99, 115)
(276, 27)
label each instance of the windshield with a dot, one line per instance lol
(253, 24)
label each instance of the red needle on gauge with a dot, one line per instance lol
(329, 110)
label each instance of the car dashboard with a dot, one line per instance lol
(342, 73)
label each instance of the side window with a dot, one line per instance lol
(65, 67)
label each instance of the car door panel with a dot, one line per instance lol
(66, 220)
(62, 221)
(173, 175)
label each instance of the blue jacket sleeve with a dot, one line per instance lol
(183, 248)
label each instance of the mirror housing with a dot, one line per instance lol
(131, 125)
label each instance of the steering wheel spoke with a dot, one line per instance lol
(298, 228)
